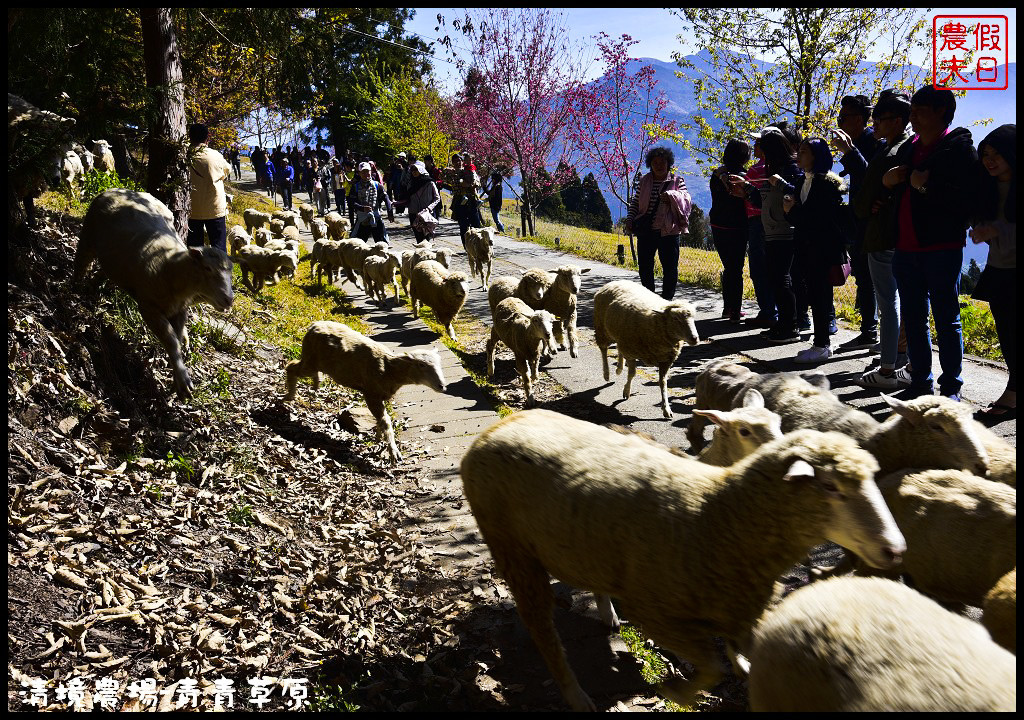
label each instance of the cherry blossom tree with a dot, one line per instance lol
(619, 117)
(522, 83)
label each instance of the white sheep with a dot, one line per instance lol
(237, 238)
(254, 219)
(307, 212)
(961, 532)
(645, 327)
(524, 330)
(338, 227)
(104, 158)
(133, 236)
(690, 550)
(479, 243)
(319, 230)
(87, 158)
(263, 264)
(560, 300)
(261, 236)
(420, 252)
(741, 431)
(443, 291)
(379, 272)
(277, 227)
(357, 362)
(71, 171)
(871, 645)
(1000, 616)
(321, 259)
(353, 256)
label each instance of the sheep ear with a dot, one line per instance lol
(195, 252)
(800, 469)
(901, 408)
(718, 417)
(753, 399)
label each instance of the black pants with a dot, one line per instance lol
(779, 254)
(865, 291)
(819, 294)
(731, 244)
(667, 249)
(216, 231)
(998, 286)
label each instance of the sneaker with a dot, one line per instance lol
(813, 354)
(804, 325)
(833, 328)
(780, 336)
(864, 340)
(736, 317)
(761, 321)
(955, 397)
(875, 379)
(902, 376)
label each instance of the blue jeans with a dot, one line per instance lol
(887, 300)
(216, 229)
(667, 248)
(759, 274)
(932, 276)
(286, 194)
(495, 209)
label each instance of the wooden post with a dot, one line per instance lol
(621, 252)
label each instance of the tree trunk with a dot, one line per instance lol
(168, 177)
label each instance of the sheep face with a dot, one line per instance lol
(936, 417)
(433, 375)
(532, 290)
(444, 257)
(216, 266)
(569, 278)
(860, 519)
(680, 320)
(747, 428)
(456, 286)
(542, 326)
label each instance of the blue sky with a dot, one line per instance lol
(655, 28)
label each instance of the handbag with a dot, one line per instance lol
(837, 274)
(425, 222)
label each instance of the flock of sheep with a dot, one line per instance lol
(690, 547)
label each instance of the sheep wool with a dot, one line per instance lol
(1000, 618)
(524, 330)
(872, 645)
(441, 290)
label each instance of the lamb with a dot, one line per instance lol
(560, 301)
(87, 158)
(524, 330)
(1000, 618)
(287, 217)
(254, 218)
(357, 362)
(867, 644)
(133, 236)
(319, 230)
(445, 292)
(307, 213)
(319, 258)
(419, 253)
(479, 242)
(613, 514)
(237, 238)
(291, 235)
(741, 431)
(379, 272)
(71, 171)
(645, 327)
(263, 264)
(277, 227)
(261, 236)
(529, 288)
(353, 256)
(338, 227)
(961, 532)
(104, 157)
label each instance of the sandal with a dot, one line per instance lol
(998, 410)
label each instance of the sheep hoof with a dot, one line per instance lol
(574, 354)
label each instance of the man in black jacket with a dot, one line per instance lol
(933, 185)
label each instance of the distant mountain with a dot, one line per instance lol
(978, 105)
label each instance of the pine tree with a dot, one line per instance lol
(595, 209)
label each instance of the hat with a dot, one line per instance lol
(364, 166)
(765, 131)
(401, 154)
(420, 167)
(892, 100)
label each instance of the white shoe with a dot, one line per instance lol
(902, 376)
(813, 354)
(875, 379)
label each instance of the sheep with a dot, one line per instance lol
(338, 227)
(263, 264)
(445, 292)
(261, 236)
(357, 362)
(524, 330)
(319, 230)
(645, 327)
(1002, 456)
(277, 227)
(353, 254)
(930, 431)
(479, 242)
(961, 532)
(741, 431)
(254, 218)
(104, 157)
(87, 158)
(133, 236)
(867, 644)
(291, 235)
(287, 217)
(560, 301)
(238, 238)
(529, 288)
(419, 253)
(319, 258)
(690, 550)
(1000, 617)
(307, 213)
(71, 171)
(379, 272)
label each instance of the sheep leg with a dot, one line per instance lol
(607, 612)
(178, 325)
(570, 326)
(163, 329)
(679, 639)
(385, 431)
(526, 369)
(618, 366)
(492, 343)
(629, 377)
(415, 305)
(531, 587)
(604, 361)
(292, 374)
(663, 370)
(450, 329)
(556, 330)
